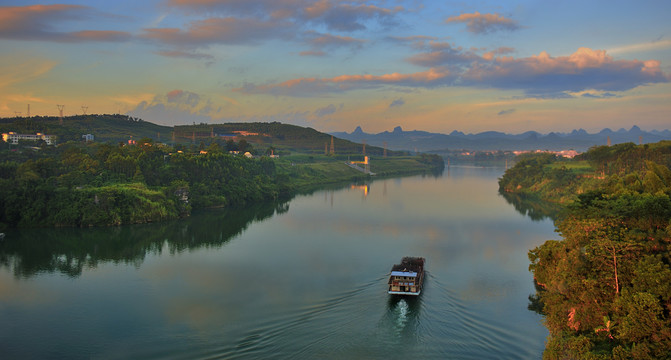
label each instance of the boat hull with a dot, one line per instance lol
(404, 293)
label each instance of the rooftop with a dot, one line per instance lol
(412, 264)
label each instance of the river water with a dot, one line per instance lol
(305, 279)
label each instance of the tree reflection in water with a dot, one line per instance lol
(534, 208)
(27, 252)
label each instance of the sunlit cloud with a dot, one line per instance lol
(484, 23)
(585, 69)
(646, 46)
(540, 76)
(41, 23)
(316, 86)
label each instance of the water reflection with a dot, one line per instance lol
(28, 252)
(533, 207)
(309, 284)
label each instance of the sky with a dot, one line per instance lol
(471, 66)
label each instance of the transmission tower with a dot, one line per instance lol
(364, 147)
(28, 111)
(332, 147)
(84, 108)
(60, 114)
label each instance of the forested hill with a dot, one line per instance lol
(105, 127)
(110, 128)
(605, 288)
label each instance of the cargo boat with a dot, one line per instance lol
(407, 277)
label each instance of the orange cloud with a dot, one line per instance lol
(313, 86)
(38, 22)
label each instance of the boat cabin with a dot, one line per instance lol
(407, 277)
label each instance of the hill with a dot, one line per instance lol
(110, 128)
(282, 137)
(105, 127)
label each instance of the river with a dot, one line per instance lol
(305, 279)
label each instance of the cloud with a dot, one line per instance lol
(254, 21)
(40, 23)
(657, 44)
(506, 112)
(328, 41)
(336, 15)
(441, 53)
(312, 53)
(211, 31)
(605, 95)
(175, 107)
(484, 23)
(542, 75)
(586, 69)
(316, 86)
(185, 54)
(539, 76)
(327, 110)
(342, 16)
(397, 103)
(23, 70)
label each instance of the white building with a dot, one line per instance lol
(13, 138)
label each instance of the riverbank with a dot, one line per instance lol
(604, 289)
(82, 185)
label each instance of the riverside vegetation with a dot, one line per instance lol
(112, 183)
(605, 288)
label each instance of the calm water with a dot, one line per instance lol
(301, 280)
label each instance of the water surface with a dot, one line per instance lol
(304, 279)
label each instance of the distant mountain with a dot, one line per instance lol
(579, 140)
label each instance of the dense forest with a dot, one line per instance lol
(85, 184)
(605, 288)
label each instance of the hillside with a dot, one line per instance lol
(105, 127)
(604, 289)
(283, 138)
